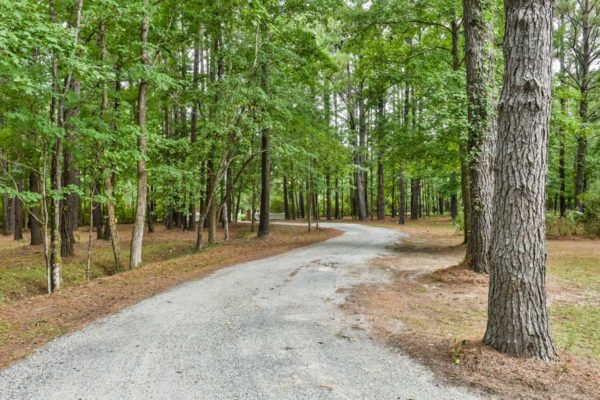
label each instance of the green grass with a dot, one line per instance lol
(582, 271)
(26, 274)
(577, 329)
(5, 328)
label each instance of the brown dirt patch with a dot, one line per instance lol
(30, 322)
(436, 313)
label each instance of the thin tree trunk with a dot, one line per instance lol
(265, 193)
(453, 206)
(402, 200)
(337, 199)
(286, 205)
(137, 235)
(361, 184)
(380, 189)
(517, 310)
(35, 219)
(6, 215)
(88, 264)
(225, 212)
(18, 214)
(112, 223)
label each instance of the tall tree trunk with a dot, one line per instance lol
(97, 214)
(337, 198)
(481, 130)
(393, 202)
(361, 177)
(6, 231)
(212, 208)
(517, 311)
(328, 209)
(415, 194)
(286, 205)
(301, 203)
(380, 189)
(70, 205)
(453, 206)
(464, 168)
(402, 199)
(265, 192)
(584, 59)
(137, 235)
(18, 213)
(150, 211)
(112, 223)
(194, 122)
(35, 219)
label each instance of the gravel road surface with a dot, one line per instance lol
(267, 329)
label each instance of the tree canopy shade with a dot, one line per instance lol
(197, 114)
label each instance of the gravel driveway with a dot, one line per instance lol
(267, 329)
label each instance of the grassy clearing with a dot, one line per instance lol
(461, 312)
(435, 310)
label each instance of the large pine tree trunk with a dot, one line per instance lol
(517, 311)
(137, 235)
(481, 130)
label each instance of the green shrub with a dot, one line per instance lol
(571, 225)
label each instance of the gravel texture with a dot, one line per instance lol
(267, 329)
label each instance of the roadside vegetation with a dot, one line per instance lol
(29, 318)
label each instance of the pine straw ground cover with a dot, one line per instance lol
(29, 318)
(435, 310)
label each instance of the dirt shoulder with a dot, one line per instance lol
(28, 323)
(435, 311)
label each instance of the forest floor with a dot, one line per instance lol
(435, 310)
(29, 317)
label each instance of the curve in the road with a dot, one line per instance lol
(267, 329)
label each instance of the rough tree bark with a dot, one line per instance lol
(137, 235)
(481, 142)
(517, 312)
